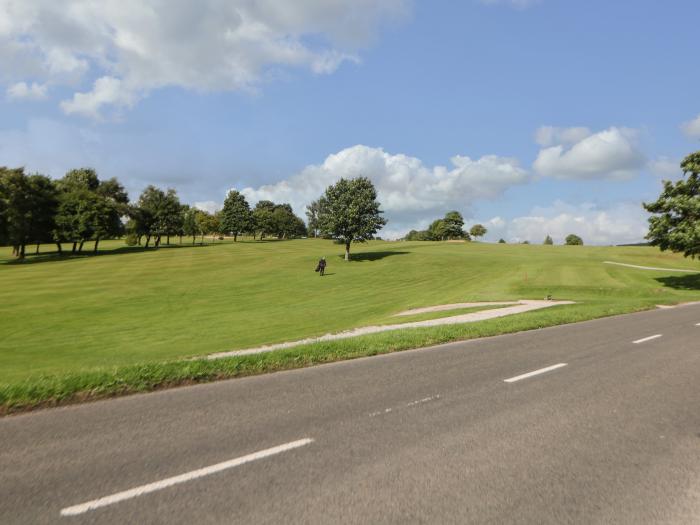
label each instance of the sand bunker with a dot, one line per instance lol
(514, 308)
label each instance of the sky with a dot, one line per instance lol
(532, 117)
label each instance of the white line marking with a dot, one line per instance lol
(651, 267)
(189, 476)
(424, 400)
(644, 340)
(534, 373)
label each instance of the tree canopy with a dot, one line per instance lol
(349, 211)
(675, 221)
(573, 240)
(235, 215)
(478, 230)
(548, 240)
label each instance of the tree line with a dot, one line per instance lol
(80, 208)
(450, 227)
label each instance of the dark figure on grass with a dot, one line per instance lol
(321, 267)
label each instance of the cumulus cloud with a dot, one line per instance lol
(692, 128)
(135, 46)
(107, 91)
(209, 206)
(22, 90)
(411, 193)
(608, 154)
(620, 223)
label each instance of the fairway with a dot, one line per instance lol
(129, 306)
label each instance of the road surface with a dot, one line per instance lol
(596, 422)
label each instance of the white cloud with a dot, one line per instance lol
(620, 223)
(692, 128)
(209, 206)
(207, 45)
(22, 90)
(107, 91)
(411, 193)
(608, 154)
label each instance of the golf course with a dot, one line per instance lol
(129, 319)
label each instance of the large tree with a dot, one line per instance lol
(675, 223)
(27, 208)
(156, 214)
(263, 221)
(349, 212)
(454, 222)
(235, 215)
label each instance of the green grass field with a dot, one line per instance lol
(65, 317)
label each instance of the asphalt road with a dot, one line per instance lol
(427, 436)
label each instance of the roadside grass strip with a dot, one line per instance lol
(51, 390)
(82, 508)
(534, 373)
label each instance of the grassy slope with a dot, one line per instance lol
(76, 315)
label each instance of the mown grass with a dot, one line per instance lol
(74, 328)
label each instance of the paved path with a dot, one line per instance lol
(595, 423)
(651, 267)
(517, 308)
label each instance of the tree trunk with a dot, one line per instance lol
(15, 250)
(60, 248)
(148, 239)
(75, 247)
(80, 248)
(202, 241)
(21, 251)
(254, 235)
(167, 240)
(138, 240)
(97, 241)
(347, 251)
(235, 236)
(157, 241)
(194, 237)
(37, 248)
(180, 239)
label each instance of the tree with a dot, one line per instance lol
(263, 221)
(209, 224)
(89, 209)
(548, 240)
(190, 225)
(573, 240)
(675, 223)
(27, 208)
(477, 231)
(349, 212)
(453, 225)
(157, 213)
(235, 215)
(501, 241)
(312, 212)
(437, 230)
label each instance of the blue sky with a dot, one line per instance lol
(532, 117)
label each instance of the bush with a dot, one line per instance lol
(131, 239)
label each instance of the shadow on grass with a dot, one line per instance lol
(31, 258)
(371, 256)
(685, 282)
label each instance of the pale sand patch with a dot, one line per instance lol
(517, 308)
(651, 267)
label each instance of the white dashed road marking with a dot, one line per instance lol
(182, 478)
(645, 339)
(534, 373)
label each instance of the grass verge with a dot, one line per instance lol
(55, 390)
